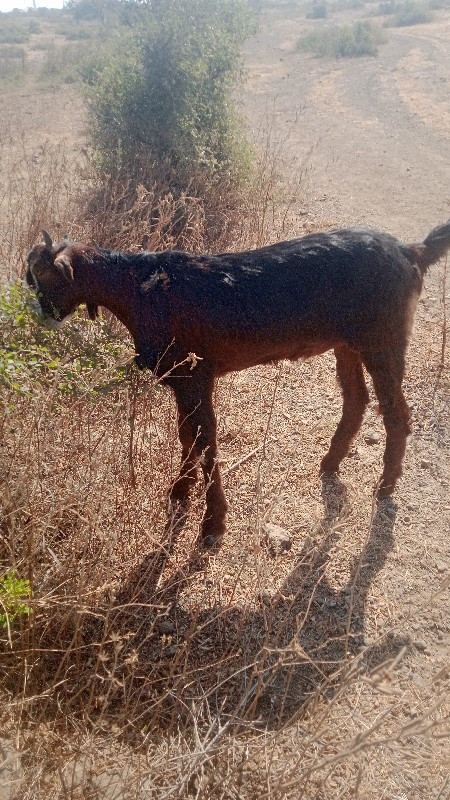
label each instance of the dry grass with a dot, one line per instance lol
(149, 671)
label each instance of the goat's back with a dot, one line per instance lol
(333, 286)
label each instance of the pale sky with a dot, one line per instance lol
(8, 5)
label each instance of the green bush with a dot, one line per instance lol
(163, 91)
(361, 39)
(32, 357)
(411, 12)
(11, 33)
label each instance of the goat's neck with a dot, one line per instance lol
(102, 286)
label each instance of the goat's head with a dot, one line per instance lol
(50, 275)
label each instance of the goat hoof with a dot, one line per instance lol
(211, 536)
(211, 542)
(384, 489)
(328, 468)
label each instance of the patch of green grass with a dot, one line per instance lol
(360, 39)
(14, 593)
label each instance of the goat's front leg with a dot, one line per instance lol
(196, 415)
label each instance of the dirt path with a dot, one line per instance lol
(376, 137)
(377, 129)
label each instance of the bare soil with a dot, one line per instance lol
(372, 137)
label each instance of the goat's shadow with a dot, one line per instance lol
(265, 662)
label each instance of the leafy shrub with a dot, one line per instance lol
(162, 92)
(32, 357)
(361, 39)
(11, 33)
(411, 12)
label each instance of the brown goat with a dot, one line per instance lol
(351, 290)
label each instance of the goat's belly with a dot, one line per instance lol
(245, 356)
(309, 349)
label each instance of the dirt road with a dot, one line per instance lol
(375, 135)
(375, 131)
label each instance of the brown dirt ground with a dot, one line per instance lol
(372, 138)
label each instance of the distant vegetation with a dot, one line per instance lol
(12, 32)
(12, 62)
(410, 12)
(318, 10)
(360, 39)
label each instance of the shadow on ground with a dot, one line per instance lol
(253, 667)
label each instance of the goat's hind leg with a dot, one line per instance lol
(355, 399)
(387, 371)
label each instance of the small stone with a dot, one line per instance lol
(77, 773)
(372, 437)
(277, 537)
(11, 772)
(420, 645)
(425, 463)
(441, 567)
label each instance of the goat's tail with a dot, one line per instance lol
(434, 247)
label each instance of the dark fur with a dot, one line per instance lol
(350, 290)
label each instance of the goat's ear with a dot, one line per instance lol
(92, 311)
(62, 263)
